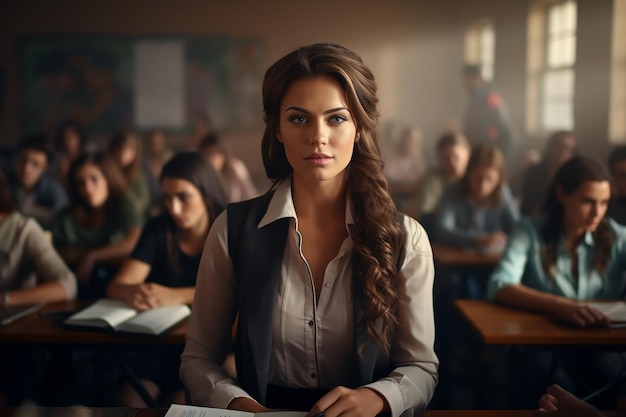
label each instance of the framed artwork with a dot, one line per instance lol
(106, 83)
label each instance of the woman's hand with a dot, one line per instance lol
(361, 402)
(150, 295)
(559, 402)
(580, 314)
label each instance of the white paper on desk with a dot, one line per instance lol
(178, 410)
(613, 310)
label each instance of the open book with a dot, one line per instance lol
(613, 310)
(119, 316)
(177, 410)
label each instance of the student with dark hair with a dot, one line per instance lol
(233, 171)
(36, 193)
(560, 147)
(332, 287)
(101, 220)
(555, 262)
(617, 168)
(70, 141)
(163, 266)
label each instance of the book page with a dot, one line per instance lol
(613, 310)
(102, 313)
(178, 410)
(155, 320)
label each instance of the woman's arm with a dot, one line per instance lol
(448, 230)
(114, 251)
(209, 339)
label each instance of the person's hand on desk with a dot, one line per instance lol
(579, 314)
(559, 402)
(348, 402)
(493, 242)
(145, 296)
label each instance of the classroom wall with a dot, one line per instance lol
(414, 47)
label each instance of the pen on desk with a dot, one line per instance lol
(319, 414)
(602, 390)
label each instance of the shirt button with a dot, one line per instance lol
(313, 375)
(327, 285)
(310, 323)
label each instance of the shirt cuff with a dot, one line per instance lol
(222, 395)
(391, 392)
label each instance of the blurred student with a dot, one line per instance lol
(101, 220)
(556, 261)
(617, 167)
(163, 266)
(125, 148)
(478, 212)
(31, 271)
(486, 119)
(36, 192)
(561, 146)
(156, 154)
(70, 141)
(453, 152)
(233, 171)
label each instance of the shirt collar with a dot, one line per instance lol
(281, 206)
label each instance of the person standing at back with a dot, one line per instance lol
(332, 287)
(486, 119)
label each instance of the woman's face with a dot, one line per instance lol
(317, 129)
(483, 181)
(454, 160)
(127, 155)
(92, 185)
(184, 203)
(586, 206)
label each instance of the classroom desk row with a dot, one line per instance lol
(160, 412)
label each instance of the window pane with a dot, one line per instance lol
(568, 50)
(554, 19)
(569, 16)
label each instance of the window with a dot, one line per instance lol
(480, 43)
(617, 118)
(551, 60)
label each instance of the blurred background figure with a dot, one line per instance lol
(36, 192)
(617, 168)
(560, 147)
(70, 141)
(125, 148)
(453, 152)
(157, 153)
(405, 167)
(101, 224)
(486, 119)
(235, 176)
(163, 266)
(202, 125)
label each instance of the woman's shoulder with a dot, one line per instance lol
(618, 230)
(416, 237)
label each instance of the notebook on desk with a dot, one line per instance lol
(8, 314)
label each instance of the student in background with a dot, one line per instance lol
(36, 193)
(70, 141)
(31, 271)
(561, 146)
(125, 148)
(310, 338)
(556, 261)
(617, 167)
(101, 220)
(478, 212)
(453, 153)
(163, 266)
(233, 171)
(156, 154)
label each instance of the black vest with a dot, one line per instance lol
(257, 257)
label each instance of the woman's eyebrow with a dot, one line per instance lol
(302, 110)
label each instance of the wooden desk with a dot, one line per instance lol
(35, 329)
(500, 325)
(160, 412)
(451, 256)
